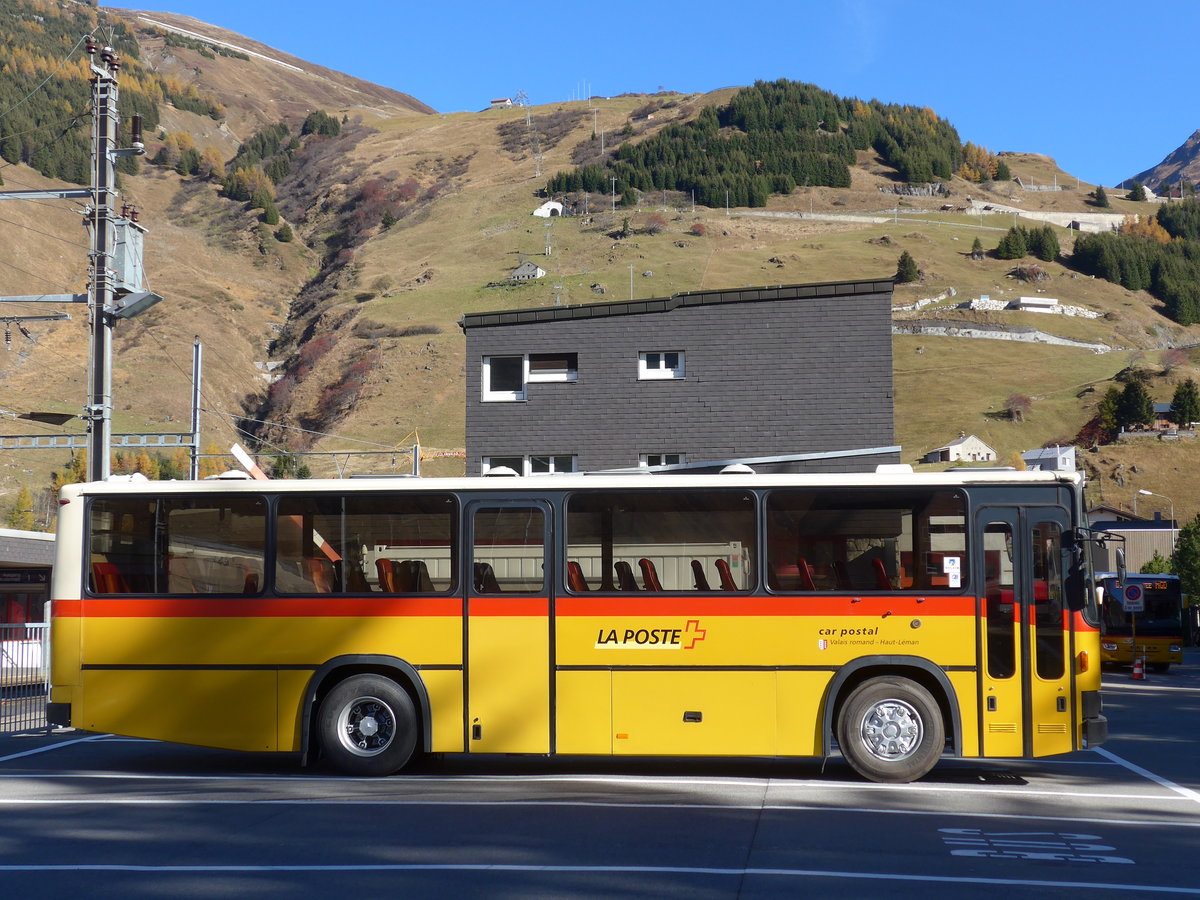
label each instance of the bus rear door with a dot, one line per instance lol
(1026, 679)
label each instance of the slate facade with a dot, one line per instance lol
(789, 371)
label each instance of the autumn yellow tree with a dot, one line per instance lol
(21, 514)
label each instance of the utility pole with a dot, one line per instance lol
(114, 261)
(197, 355)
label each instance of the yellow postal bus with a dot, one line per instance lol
(896, 617)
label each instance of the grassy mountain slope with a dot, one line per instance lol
(353, 299)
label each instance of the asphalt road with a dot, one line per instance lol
(95, 816)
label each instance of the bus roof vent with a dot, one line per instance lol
(501, 472)
(737, 469)
(229, 475)
(894, 469)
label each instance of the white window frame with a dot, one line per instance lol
(568, 373)
(523, 465)
(553, 458)
(489, 395)
(644, 459)
(653, 365)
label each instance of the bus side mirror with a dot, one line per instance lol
(1121, 572)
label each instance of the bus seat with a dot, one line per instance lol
(841, 574)
(698, 575)
(649, 575)
(575, 579)
(727, 582)
(320, 573)
(882, 582)
(1041, 592)
(806, 574)
(414, 577)
(107, 578)
(387, 574)
(485, 579)
(250, 583)
(625, 579)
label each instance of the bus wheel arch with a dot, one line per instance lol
(358, 668)
(923, 693)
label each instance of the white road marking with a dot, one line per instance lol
(613, 870)
(1188, 793)
(49, 747)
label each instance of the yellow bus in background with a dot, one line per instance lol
(893, 617)
(1155, 634)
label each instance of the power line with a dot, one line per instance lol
(45, 233)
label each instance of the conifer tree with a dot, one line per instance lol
(1135, 407)
(1012, 245)
(1185, 405)
(906, 269)
(1102, 197)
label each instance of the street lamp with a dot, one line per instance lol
(1172, 504)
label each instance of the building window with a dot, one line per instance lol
(662, 459)
(534, 464)
(503, 378)
(552, 465)
(660, 364)
(553, 366)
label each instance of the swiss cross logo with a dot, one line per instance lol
(694, 631)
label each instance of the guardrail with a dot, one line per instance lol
(24, 676)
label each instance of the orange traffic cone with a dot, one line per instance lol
(1139, 669)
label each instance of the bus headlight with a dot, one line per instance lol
(1109, 646)
(1175, 648)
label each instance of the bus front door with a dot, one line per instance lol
(508, 627)
(1026, 680)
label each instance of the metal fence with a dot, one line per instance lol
(24, 676)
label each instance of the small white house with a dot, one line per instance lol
(1050, 459)
(501, 103)
(967, 448)
(548, 209)
(527, 271)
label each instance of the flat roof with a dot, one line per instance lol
(683, 298)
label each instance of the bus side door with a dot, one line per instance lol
(1026, 680)
(507, 591)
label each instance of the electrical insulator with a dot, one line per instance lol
(90, 45)
(106, 55)
(133, 214)
(24, 331)
(8, 335)
(135, 132)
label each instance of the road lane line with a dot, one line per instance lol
(1146, 773)
(610, 870)
(12, 802)
(48, 747)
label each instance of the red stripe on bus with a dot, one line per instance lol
(737, 605)
(509, 606)
(320, 606)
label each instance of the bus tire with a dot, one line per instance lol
(1160, 667)
(890, 730)
(367, 726)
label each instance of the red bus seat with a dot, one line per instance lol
(699, 577)
(575, 579)
(727, 582)
(649, 575)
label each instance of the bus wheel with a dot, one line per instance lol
(1159, 667)
(891, 730)
(368, 726)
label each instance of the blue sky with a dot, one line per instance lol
(1101, 86)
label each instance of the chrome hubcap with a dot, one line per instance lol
(366, 726)
(891, 730)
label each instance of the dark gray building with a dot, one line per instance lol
(787, 378)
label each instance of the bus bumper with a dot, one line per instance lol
(58, 714)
